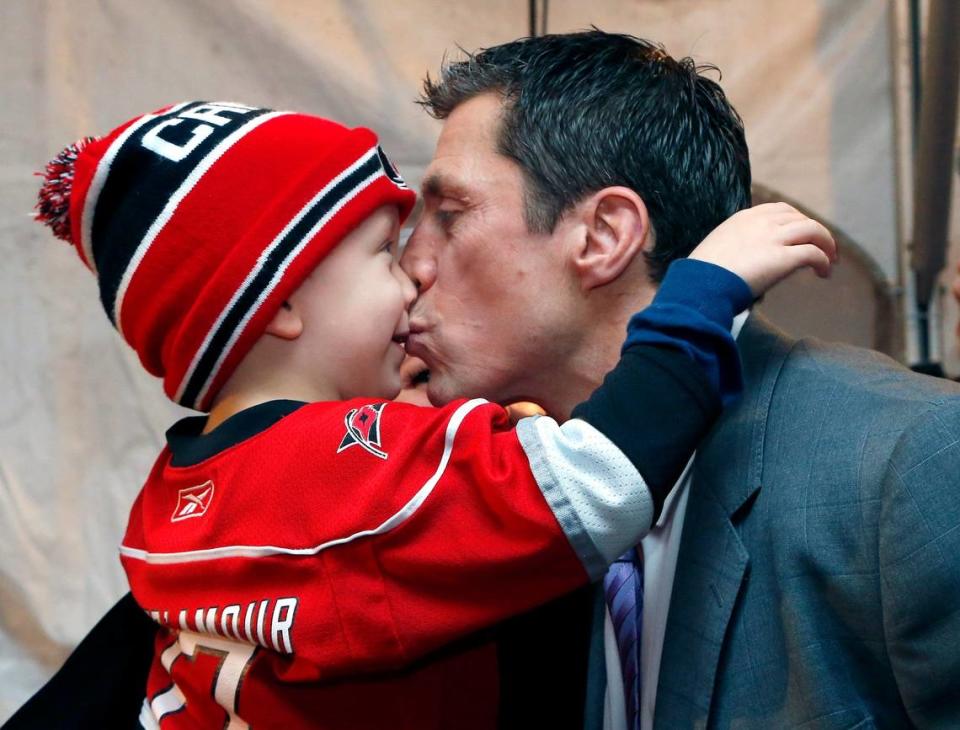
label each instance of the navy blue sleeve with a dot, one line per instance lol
(678, 366)
(693, 312)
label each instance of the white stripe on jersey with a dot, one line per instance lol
(596, 493)
(263, 551)
(600, 500)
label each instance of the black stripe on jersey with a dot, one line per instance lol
(248, 299)
(116, 237)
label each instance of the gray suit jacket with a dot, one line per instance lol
(818, 579)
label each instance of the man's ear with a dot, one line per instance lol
(286, 323)
(616, 228)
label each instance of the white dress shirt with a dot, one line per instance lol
(660, 548)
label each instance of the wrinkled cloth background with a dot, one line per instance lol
(80, 424)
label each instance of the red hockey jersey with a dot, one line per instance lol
(303, 544)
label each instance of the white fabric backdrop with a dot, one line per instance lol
(80, 424)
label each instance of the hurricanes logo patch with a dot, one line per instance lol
(193, 501)
(363, 429)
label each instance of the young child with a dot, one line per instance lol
(308, 533)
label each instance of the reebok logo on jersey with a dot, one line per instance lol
(363, 429)
(193, 501)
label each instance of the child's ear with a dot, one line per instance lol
(286, 323)
(616, 228)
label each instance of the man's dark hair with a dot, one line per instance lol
(584, 111)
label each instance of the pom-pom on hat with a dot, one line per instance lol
(201, 219)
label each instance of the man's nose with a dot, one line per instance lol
(407, 287)
(419, 261)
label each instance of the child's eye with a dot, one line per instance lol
(387, 247)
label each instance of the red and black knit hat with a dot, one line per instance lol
(200, 219)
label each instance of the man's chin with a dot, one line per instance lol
(436, 397)
(440, 390)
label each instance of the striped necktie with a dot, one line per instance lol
(623, 588)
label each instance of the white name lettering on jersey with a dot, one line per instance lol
(268, 622)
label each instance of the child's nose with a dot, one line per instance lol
(418, 260)
(407, 287)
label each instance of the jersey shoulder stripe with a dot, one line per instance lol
(260, 551)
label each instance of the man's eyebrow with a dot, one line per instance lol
(438, 185)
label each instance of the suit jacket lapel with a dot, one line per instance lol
(712, 561)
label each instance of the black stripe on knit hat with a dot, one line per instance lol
(148, 175)
(269, 271)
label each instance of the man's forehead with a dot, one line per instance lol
(477, 117)
(470, 131)
(468, 166)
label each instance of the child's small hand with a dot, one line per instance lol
(523, 409)
(767, 243)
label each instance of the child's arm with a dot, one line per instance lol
(355, 562)
(692, 313)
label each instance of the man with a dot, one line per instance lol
(811, 546)
(804, 572)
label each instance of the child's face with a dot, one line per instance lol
(354, 311)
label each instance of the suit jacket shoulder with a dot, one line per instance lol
(885, 446)
(864, 374)
(814, 583)
(834, 408)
